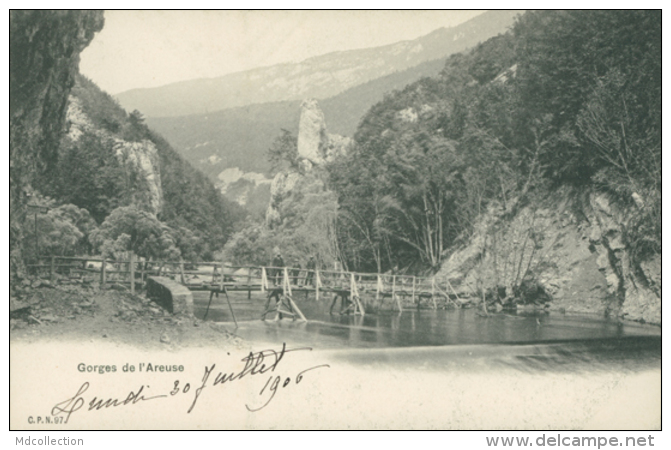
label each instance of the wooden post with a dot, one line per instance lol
(131, 272)
(214, 273)
(286, 296)
(264, 280)
(52, 271)
(286, 284)
(377, 290)
(393, 288)
(181, 271)
(452, 289)
(296, 309)
(249, 283)
(317, 283)
(413, 289)
(356, 297)
(103, 274)
(230, 307)
(399, 303)
(221, 279)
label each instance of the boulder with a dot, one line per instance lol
(170, 295)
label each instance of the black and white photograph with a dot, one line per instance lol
(336, 220)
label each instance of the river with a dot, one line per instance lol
(428, 328)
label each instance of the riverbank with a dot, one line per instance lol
(73, 313)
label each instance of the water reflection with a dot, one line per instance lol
(414, 328)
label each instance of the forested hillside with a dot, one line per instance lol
(114, 186)
(111, 162)
(347, 84)
(528, 170)
(240, 137)
(566, 98)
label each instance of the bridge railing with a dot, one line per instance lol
(367, 282)
(210, 275)
(88, 270)
(335, 280)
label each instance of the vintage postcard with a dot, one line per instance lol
(336, 220)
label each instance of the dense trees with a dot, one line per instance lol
(571, 60)
(191, 201)
(597, 74)
(129, 229)
(566, 97)
(89, 174)
(96, 172)
(53, 229)
(283, 153)
(306, 227)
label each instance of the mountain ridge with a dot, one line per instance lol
(318, 77)
(244, 133)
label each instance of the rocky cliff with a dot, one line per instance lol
(315, 144)
(571, 247)
(71, 142)
(137, 157)
(315, 147)
(44, 57)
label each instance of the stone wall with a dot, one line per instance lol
(172, 296)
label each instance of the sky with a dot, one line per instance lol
(140, 49)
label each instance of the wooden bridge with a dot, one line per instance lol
(281, 284)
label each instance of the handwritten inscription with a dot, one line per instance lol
(276, 383)
(74, 404)
(256, 364)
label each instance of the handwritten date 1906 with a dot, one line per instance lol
(276, 383)
(259, 363)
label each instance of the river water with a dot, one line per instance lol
(454, 369)
(427, 328)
